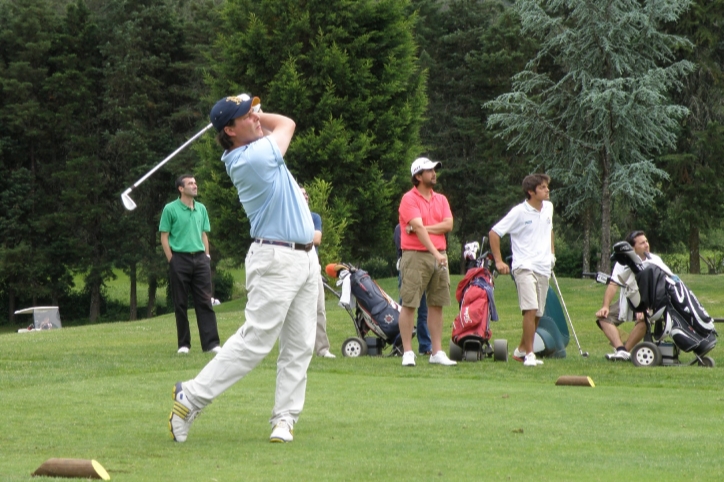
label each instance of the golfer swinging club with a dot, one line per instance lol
(282, 270)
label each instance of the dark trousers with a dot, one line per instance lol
(192, 272)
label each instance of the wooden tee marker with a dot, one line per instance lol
(73, 468)
(575, 381)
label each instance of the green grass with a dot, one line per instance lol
(104, 392)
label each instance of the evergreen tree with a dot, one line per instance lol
(148, 111)
(345, 71)
(27, 150)
(470, 49)
(597, 116)
(695, 170)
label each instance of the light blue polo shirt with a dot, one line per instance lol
(269, 194)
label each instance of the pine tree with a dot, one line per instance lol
(470, 50)
(695, 169)
(27, 151)
(148, 111)
(345, 71)
(591, 107)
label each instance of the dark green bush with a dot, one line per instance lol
(378, 267)
(223, 285)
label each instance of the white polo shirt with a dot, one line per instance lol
(530, 236)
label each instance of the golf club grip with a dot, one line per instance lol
(170, 156)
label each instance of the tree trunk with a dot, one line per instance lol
(152, 286)
(95, 302)
(694, 260)
(605, 263)
(587, 240)
(11, 305)
(134, 298)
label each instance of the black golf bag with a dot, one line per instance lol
(674, 309)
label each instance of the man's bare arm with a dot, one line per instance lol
(424, 237)
(166, 246)
(440, 228)
(500, 265)
(205, 240)
(281, 128)
(607, 298)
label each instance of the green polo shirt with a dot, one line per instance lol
(185, 226)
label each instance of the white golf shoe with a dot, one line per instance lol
(282, 432)
(440, 358)
(182, 415)
(408, 359)
(531, 360)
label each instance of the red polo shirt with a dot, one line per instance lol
(434, 211)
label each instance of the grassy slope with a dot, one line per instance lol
(103, 392)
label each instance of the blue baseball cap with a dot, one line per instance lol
(232, 107)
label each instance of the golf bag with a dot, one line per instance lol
(477, 306)
(371, 309)
(382, 313)
(674, 308)
(471, 333)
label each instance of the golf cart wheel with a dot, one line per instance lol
(707, 361)
(646, 354)
(354, 347)
(456, 353)
(500, 350)
(471, 355)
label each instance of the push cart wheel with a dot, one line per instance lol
(500, 350)
(456, 353)
(354, 347)
(472, 355)
(707, 361)
(646, 354)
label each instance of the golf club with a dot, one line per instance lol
(127, 201)
(584, 354)
(125, 196)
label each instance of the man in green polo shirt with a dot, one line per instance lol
(183, 227)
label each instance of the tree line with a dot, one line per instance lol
(93, 93)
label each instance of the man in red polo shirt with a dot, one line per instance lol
(425, 217)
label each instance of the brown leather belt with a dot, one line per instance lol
(297, 246)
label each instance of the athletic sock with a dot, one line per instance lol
(621, 348)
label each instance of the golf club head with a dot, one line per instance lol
(584, 354)
(127, 201)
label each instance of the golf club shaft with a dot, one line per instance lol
(568, 317)
(170, 156)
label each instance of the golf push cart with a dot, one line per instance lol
(375, 315)
(471, 334)
(671, 311)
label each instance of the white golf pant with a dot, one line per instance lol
(282, 286)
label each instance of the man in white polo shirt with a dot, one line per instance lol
(530, 225)
(282, 270)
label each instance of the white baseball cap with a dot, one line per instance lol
(423, 164)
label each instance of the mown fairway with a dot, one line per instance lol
(104, 392)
